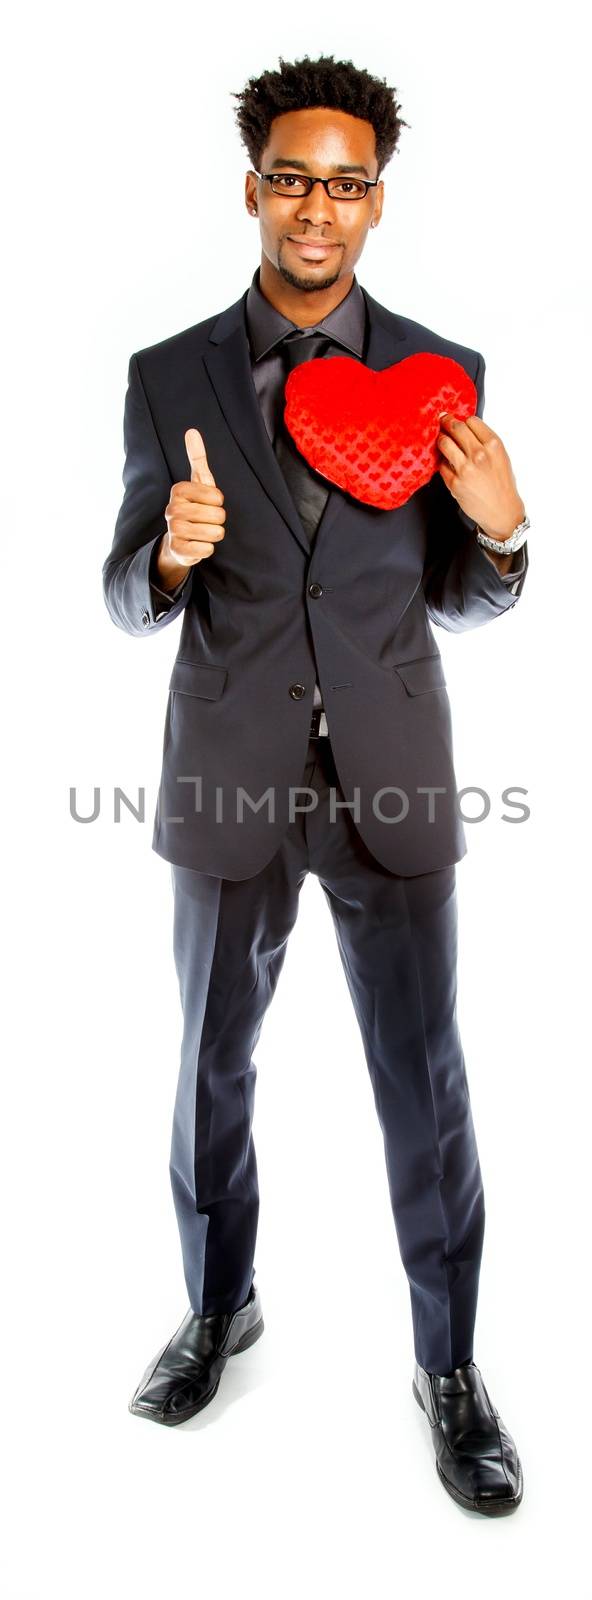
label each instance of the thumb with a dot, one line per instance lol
(196, 450)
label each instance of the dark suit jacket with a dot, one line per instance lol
(237, 724)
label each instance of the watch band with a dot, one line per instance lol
(505, 547)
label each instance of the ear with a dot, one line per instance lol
(378, 204)
(251, 193)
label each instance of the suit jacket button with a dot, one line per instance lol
(316, 590)
(145, 618)
(297, 690)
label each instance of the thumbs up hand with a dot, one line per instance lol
(194, 516)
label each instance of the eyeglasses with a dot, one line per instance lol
(293, 184)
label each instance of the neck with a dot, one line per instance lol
(302, 306)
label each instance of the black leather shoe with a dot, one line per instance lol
(476, 1457)
(184, 1375)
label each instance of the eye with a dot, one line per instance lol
(287, 180)
(347, 186)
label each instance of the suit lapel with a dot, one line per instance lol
(229, 368)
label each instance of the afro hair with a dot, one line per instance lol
(338, 85)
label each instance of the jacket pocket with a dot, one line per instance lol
(198, 678)
(426, 672)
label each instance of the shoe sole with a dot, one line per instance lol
(497, 1508)
(248, 1339)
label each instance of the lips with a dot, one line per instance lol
(311, 249)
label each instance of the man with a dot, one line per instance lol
(308, 729)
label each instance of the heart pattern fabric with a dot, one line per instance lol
(374, 433)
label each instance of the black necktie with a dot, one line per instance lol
(309, 491)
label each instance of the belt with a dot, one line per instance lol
(318, 725)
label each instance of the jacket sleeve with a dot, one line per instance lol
(129, 577)
(461, 582)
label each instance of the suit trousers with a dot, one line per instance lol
(397, 939)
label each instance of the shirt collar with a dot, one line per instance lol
(346, 324)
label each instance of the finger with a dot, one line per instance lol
(454, 428)
(196, 450)
(188, 552)
(476, 426)
(454, 455)
(196, 511)
(194, 532)
(480, 429)
(448, 476)
(197, 493)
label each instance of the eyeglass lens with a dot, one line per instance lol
(291, 183)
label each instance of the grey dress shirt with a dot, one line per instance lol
(266, 327)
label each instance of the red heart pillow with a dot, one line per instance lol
(374, 433)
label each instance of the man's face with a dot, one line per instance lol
(325, 144)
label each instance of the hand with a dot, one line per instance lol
(478, 472)
(194, 516)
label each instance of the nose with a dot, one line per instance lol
(316, 206)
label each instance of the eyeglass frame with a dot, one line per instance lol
(369, 183)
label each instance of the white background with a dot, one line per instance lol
(312, 1470)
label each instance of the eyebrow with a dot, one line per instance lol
(292, 161)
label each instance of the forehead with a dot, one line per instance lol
(319, 132)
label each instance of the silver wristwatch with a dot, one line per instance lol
(505, 546)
